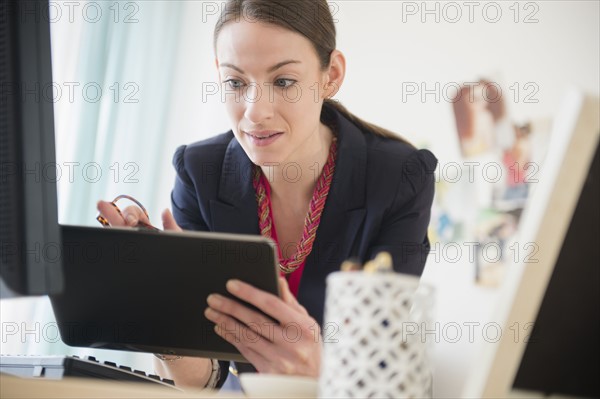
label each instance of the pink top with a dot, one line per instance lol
(294, 277)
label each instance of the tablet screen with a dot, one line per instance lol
(141, 290)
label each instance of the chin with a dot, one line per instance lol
(263, 156)
(264, 159)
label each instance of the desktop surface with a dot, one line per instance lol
(74, 387)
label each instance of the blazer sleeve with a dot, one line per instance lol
(184, 199)
(404, 231)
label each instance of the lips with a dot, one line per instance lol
(263, 137)
(262, 134)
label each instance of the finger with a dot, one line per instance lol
(254, 356)
(269, 348)
(231, 308)
(169, 222)
(236, 332)
(133, 215)
(263, 364)
(265, 301)
(251, 344)
(263, 354)
(223, 310)
(108, 210)
(288, 297)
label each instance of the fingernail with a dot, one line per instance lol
(131, 220)
(233, 285)
(213, 300)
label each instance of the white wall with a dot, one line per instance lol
(383, 53)
(389, 50)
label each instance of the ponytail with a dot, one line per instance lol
(364, 125)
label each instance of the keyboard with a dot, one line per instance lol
(57, 367)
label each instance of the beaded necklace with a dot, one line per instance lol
(313, 218)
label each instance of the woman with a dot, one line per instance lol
(298, 167)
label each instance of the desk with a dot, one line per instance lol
(72, 387)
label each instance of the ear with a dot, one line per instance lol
(334, 76)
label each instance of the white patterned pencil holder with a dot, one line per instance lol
(374, 351)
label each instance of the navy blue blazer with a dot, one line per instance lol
(380, 200)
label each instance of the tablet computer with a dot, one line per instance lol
(141, 290)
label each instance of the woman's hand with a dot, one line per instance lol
(131, 215)
(289, 345)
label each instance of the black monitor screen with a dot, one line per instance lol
(30, 245)
(561, 356)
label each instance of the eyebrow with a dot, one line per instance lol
(273, 68)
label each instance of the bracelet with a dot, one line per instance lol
(167, 359)
(215, 372)
(215, 375)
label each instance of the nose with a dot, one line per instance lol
(259, 104)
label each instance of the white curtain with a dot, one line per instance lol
(111, 135)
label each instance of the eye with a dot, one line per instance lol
(234, 83)
(282, 82)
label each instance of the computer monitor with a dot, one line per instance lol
(561, 356)
(30, 242)
(560, 288)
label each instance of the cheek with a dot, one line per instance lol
(306, 111)
(235, 112)
(300, 102)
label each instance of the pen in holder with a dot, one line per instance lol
(377, 351)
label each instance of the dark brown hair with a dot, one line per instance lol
(313, 20)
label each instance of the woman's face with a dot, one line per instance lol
(273, 90)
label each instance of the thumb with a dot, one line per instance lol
(169, 222)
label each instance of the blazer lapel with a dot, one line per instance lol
(342, 218)
(345, 209)
(235, 210)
